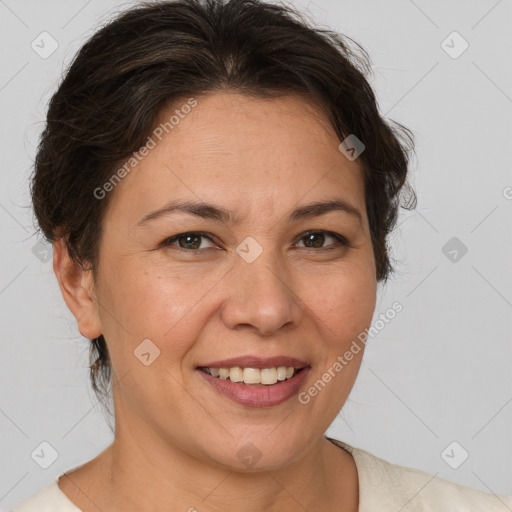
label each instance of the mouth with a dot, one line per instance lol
(256, 382)
(256, 377)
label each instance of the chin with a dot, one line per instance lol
(255, 451)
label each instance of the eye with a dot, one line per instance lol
(315, 240)
(188, 241)
(193, 241)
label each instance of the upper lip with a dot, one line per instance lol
(257, 362)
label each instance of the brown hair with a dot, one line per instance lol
(118, 83)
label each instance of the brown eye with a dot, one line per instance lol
(188, 241)
(316, 240)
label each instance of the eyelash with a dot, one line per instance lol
(342, 241)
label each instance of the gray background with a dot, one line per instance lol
(439, 372)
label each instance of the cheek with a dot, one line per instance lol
(343, 301)
(158, 302)
(170, 303)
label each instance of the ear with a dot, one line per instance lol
(77, 288)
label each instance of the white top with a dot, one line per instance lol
(383, 487)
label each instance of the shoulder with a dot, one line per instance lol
(385, 486)
(48, 499)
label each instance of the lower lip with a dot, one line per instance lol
(256, 396)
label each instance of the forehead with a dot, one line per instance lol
(236, 124)
(245, 150)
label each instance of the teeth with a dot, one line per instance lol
(266, 376)
(269, 375)
(251, 376)
(236, 375)
(282, 373)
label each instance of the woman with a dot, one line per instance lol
(218, 186)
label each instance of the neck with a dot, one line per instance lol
(146, 473)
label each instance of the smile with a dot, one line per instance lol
(253, 376)
(255, 394)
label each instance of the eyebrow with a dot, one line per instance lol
(217, 214)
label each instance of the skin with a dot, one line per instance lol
(177, 438)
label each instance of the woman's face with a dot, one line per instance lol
(252, 285)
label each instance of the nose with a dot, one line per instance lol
(260, 296)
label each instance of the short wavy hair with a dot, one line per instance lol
(114, 90)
